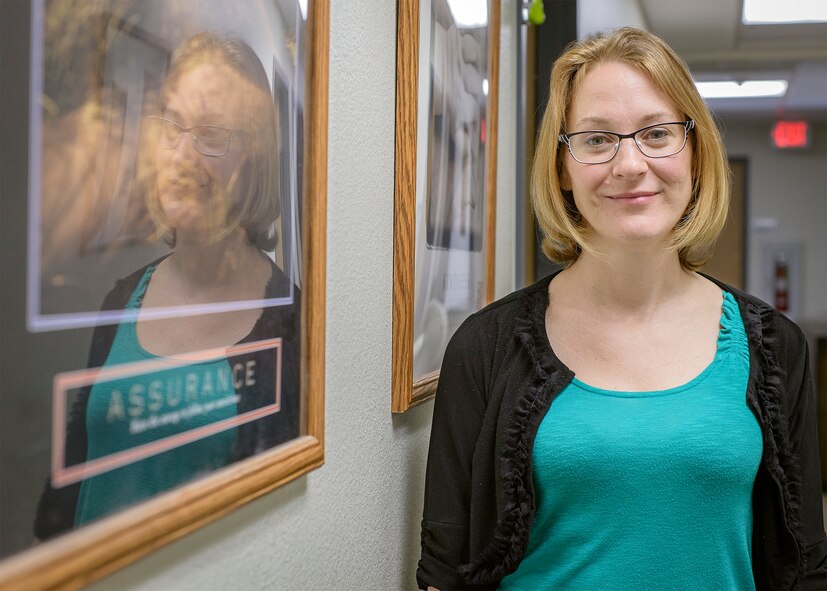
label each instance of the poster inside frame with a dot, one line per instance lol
(445, 183)
(75, 558)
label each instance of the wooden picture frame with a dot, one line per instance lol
(82, 556)
(408, 389)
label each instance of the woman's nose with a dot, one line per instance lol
(629, 160)
(185, 150)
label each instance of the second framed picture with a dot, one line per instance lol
(446, 146)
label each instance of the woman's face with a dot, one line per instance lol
(632, 199)
(196, 190)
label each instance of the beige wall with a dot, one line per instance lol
(787, 191)
(354, 523)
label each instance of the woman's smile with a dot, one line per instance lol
(634, 197)
(186, 183)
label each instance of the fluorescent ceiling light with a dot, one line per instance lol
(746, 89)
(303, 9)
(469, 14)
(765, 12)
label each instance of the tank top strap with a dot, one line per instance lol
(732, 335)
(137, 297)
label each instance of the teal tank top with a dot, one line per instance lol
(648, 491)
(123, 414)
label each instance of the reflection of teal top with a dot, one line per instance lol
(648, 490)
(125, 413)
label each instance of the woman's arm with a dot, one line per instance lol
(804, 446)
(459, 410)
(56, 508)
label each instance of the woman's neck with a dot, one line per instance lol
(201, 264)
(629, 282)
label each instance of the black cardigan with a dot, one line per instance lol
(499, 376)
(56, 509)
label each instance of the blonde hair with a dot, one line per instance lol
(564, 236)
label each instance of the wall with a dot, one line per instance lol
(597, 15)
(791, 189)
(354, 523)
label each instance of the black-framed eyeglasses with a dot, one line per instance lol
(210, 140)
(653, 141)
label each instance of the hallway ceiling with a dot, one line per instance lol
(709, 35)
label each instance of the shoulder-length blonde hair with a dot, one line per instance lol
(564, 236)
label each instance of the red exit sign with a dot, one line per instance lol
(791, 134)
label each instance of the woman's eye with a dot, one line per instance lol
(656, 134)
(212, 136)
(597, 140)
(208, 134)
(169, 130)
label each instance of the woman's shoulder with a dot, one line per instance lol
(279, 283)
(520, 311)
(118, 296)
(528, 301)
(763, 321)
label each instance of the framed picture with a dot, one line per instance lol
(446, 146)
(167, 320)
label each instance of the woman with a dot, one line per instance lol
(212, 183)
(627, 423)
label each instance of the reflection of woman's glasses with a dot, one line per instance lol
(210, 140)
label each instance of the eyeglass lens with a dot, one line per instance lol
(658, 141)
(208, 139)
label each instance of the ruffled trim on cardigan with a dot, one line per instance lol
(510, 540)
(782, 463)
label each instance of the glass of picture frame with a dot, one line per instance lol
(163, 272)
(445, 184)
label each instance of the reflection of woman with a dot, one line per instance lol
(212, 184)
(626, 423)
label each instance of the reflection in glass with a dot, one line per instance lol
(167, 162)
(449, 262)
(209, 140)
(103, 76)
